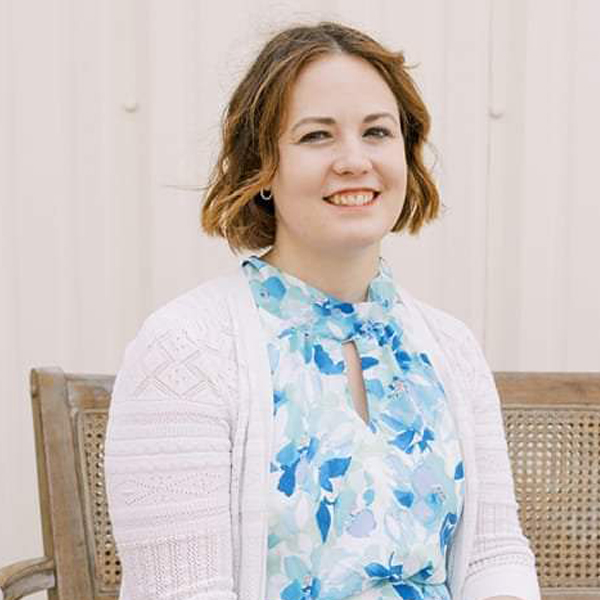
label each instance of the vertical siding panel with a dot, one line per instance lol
(541, 218)
(174, 141)
(126, 135)
(43, 191)
(91, 230)
(581, 282)
(465, 162)
(507, 80)
(16, 456)
(109, 228)
(9, 305)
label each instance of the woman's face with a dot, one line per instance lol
(342, 141)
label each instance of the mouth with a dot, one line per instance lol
(349, 201)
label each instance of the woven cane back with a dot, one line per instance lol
(552, 424)
(107, 568)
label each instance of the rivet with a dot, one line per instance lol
(496, 112)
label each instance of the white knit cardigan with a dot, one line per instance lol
(189, 441)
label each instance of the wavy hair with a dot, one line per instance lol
(254, 117)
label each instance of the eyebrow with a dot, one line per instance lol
(330, 121)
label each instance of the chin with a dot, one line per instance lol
(353, 244)
(363, 237)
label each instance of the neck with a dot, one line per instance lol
(345, 277)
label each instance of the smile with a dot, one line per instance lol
(357, 200)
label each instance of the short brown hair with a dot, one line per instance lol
(254, 117)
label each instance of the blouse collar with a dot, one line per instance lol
(297, 302)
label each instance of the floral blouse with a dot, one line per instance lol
(356, 509)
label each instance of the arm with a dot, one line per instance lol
(502, 565)
(167, 464)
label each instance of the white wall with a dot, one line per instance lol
(105, 104)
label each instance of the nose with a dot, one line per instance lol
(352, 159)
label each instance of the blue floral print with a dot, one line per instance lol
(357, 508)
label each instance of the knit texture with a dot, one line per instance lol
(188, 444)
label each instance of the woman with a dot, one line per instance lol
(304, 428)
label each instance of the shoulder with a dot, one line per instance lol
(206, 307)
(454, 338)
(184, 345)
(463, 361)
(196, 322)
(206, 301)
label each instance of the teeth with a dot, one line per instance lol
(351, 199)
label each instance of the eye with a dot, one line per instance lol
(380, 132)
(377, 132)
(313, 135)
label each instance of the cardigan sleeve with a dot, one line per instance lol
(501, 561)
(167, 465)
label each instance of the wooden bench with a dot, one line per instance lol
(552, 423)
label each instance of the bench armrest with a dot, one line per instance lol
(26, 577)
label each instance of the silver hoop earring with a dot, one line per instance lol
(264, 196)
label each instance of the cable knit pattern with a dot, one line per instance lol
(168, 459)
(188, 445)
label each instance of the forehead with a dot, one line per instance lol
(339, 83)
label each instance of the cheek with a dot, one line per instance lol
(394, 174)
(404, 176)
(309, 159)
(399, 171)
(289, 170)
